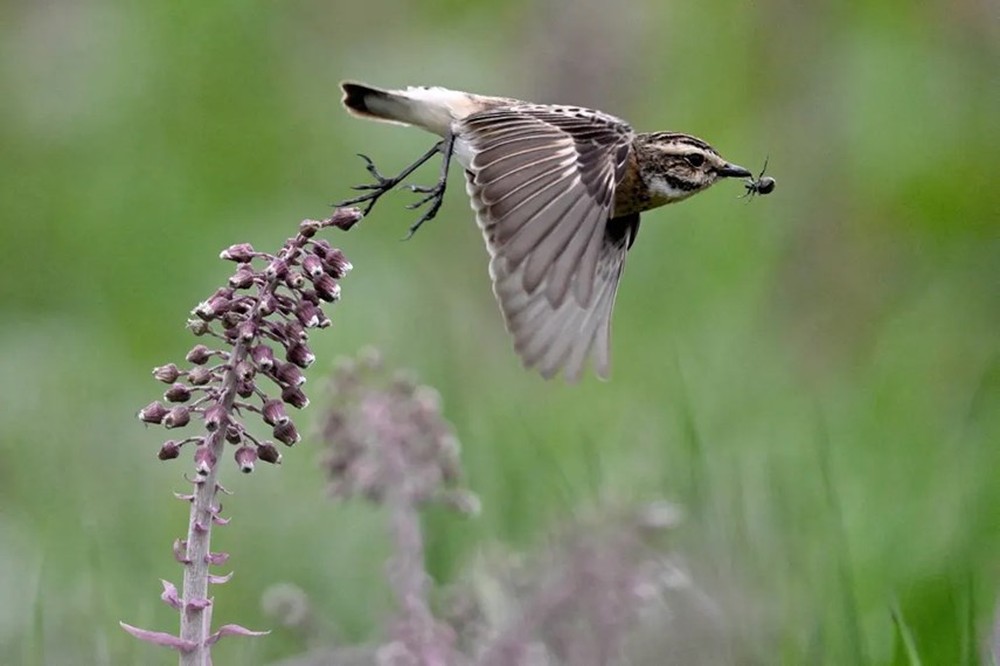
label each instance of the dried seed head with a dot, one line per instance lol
(198, 327)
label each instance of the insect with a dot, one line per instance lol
(762, 184)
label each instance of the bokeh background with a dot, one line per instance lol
(812, 375)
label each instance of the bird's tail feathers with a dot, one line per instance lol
(432, 109)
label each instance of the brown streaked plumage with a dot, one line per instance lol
(557, 192)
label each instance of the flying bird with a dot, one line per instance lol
(557, 191)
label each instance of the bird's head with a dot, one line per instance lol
(675, 166)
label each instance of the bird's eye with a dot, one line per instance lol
(695, 159)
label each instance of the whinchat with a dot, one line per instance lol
(557, 191)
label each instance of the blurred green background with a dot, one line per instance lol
(814, 375)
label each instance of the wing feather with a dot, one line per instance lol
(542, 182)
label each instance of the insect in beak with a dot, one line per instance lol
(760, 185)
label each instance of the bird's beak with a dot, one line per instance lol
(733, 171)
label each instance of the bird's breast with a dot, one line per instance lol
(633, 194)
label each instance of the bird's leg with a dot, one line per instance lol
(374, 191)
(435, 193)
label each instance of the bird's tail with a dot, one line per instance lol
(432, 109)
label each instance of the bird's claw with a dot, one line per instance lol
(435, 193)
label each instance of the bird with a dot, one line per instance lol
(557, 191)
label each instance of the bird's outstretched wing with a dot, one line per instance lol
(542, 181)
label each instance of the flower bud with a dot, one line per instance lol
(345, 218)
(327, 288)
(294, 397)
(288, 374)
(310, 295)
(212, 308)
(336, 264)
(286, 433)
(294, 280)
(242, 306)
(199, 375)
(153, 412)
(308, 228)
(313, 266)
(300, 355)
(269, 453)
(241, 252)
(276, 269)
(246, 456)
(170, 450)
(247, 330)
(178, 417)
(273, 413)
(308, 315)
(178, 393)
(263, 356)
(204, 461)
(199, 355)
(213, 416)
(245, 389)
(245, 371)
(167, 374)
(267, 304)
(243, 277)
(234, 433)
(295, 333)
